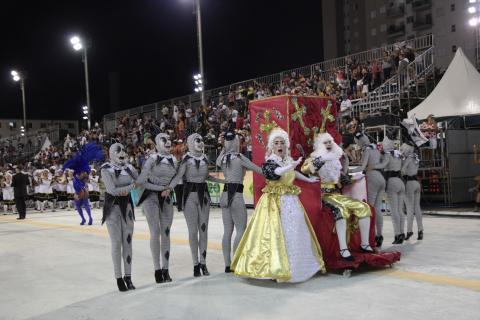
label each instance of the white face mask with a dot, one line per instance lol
(198, 144)
(163, 143)
(279, 147)
(232, 145)
(117, 154)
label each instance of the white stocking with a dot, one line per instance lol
(341, 226)
(364, 224)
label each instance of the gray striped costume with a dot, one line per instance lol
(157, 172)
(234, 212)
(118, 181)
(412, 190)
(375, 182)
(196, 200)
(392, 163)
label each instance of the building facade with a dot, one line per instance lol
(11, 127)
(369, 24)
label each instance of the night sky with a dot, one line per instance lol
(150, 45)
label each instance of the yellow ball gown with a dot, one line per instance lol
(279, 242)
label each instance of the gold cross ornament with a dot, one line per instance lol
(326, 116)
(298, 116)
(267, 126)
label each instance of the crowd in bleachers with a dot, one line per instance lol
(229, 109)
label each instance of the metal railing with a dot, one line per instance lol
(399, 85)
(31, 143)
(325, 69)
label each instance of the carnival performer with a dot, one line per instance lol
(392, 164)
(70, 189)
(36, 181)
(234, 211)
(61, 188)
(325, 162)
(94, 188)
(119, 178)
(45, 190)
(80, 164)
(279, 242)
(30, 199)
(54, 196)
(8, 198)
(412, 188)
(196, 200)
(157, 172)
(375, 180)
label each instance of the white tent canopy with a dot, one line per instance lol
(457, 94)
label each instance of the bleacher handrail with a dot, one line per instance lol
(392, 88)
(326, 68)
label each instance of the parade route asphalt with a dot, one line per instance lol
(53, 268)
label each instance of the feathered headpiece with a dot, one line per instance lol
(80, 162)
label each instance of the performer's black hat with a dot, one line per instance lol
(407, 138)
(229, 135)
(390, 133)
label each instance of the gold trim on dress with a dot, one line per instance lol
(262, 253)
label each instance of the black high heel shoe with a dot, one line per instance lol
(204, 269)
(399, 238)
(420, 235)
(166, 275)
(196, 270)
(128, 282)
(409, 234)
(228, 270)
(159, 276)
(379, 241)
(349, 258)
(395, 241)
(121, 285)
(366, 249)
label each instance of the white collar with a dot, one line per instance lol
(201, 157)
(118, 167)
(395, 153)
(277, 159)
(372, 146)
(165, 156)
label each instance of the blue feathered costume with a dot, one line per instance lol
(80, 164)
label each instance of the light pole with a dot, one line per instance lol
(77, 45)
(198, 83)
(17, 76)
(86, 115)
(474, 21)
(200, 46)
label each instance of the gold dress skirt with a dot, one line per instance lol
(274, 248)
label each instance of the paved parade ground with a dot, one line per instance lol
(53, 268)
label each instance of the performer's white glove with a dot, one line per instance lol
(296, 162)
(282, 170)
(314, 179)
(301, 177)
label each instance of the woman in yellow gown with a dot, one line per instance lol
(279, 242)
